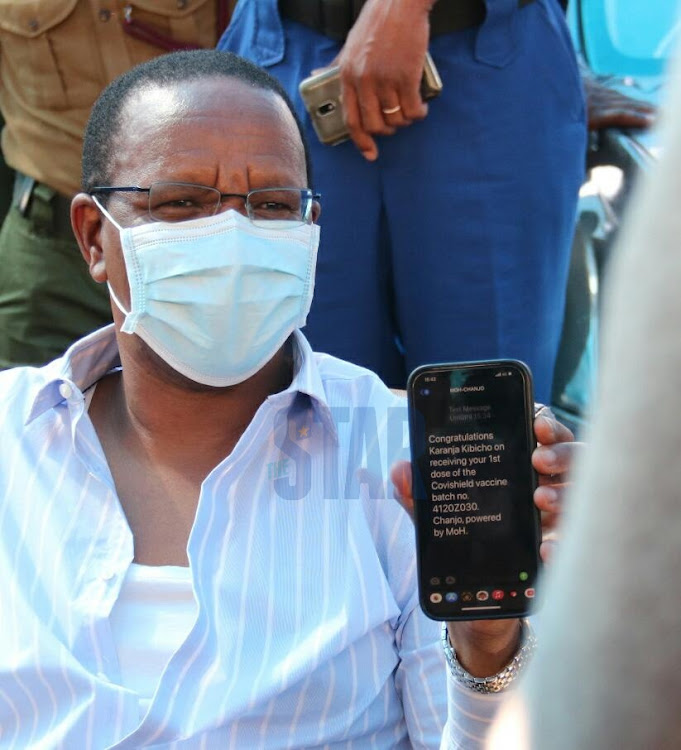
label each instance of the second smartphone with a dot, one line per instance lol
(477, 527)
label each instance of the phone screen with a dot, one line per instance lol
(476, 523)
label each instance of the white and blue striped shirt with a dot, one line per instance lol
(308, 632)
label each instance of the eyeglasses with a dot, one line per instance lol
(183, 201)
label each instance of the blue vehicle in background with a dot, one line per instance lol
(625, 38)
(625, 44)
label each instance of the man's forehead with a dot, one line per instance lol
(153, 101)
(166, 103)
(218, 110)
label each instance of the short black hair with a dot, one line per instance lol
(105, 119)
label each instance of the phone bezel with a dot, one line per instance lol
(421, 504)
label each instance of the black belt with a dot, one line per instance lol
(48, 210)
(335, 18)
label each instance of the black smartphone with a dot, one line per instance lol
(321, 95)
(477, 527)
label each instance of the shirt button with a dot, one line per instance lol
(65, 390)
(181, 4)
(104, 15)
(33, 24)
(107, 574)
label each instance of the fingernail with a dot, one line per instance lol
(548, 421)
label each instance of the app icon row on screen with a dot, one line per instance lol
(481, 596)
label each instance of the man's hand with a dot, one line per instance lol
(484, 647)
(608, 108)
(381, 67)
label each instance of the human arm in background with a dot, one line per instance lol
(381, 65)
(606, 107)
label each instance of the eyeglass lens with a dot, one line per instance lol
(173, 202)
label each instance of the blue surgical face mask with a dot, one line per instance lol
(217, 297)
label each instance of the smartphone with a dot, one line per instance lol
(321, 94)
(477, 527)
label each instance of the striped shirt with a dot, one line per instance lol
(308, 631)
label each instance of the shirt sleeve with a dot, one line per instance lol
(421, 678)
(469, 716)
(439, 712)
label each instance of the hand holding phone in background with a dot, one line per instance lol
(321, 94)
(381, 66)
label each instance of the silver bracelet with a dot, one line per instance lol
(501, 680)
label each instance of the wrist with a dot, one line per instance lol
(484, 649)
(506, 674)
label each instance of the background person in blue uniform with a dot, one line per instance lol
(446, 234)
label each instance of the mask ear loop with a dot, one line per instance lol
(106, 213)
(116, 300)
(120, 229)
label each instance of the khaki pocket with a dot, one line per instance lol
(184, 21)
(59, 54)
(29, 63)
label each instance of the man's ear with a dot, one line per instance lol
(86, 221)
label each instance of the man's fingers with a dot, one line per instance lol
(375, 104)
(382, 111)
(353, 119)
(373, 120)
(618, 118)
(554, 460)
(413, 106)
(547, 550)
(394, 116)
(549, 497)
(608, 108)
(548, 430)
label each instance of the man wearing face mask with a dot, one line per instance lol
(192, 503)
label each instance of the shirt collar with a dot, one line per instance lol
(307, 380)
(82, 365)
(90, 358)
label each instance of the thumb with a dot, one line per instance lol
(400, 476)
